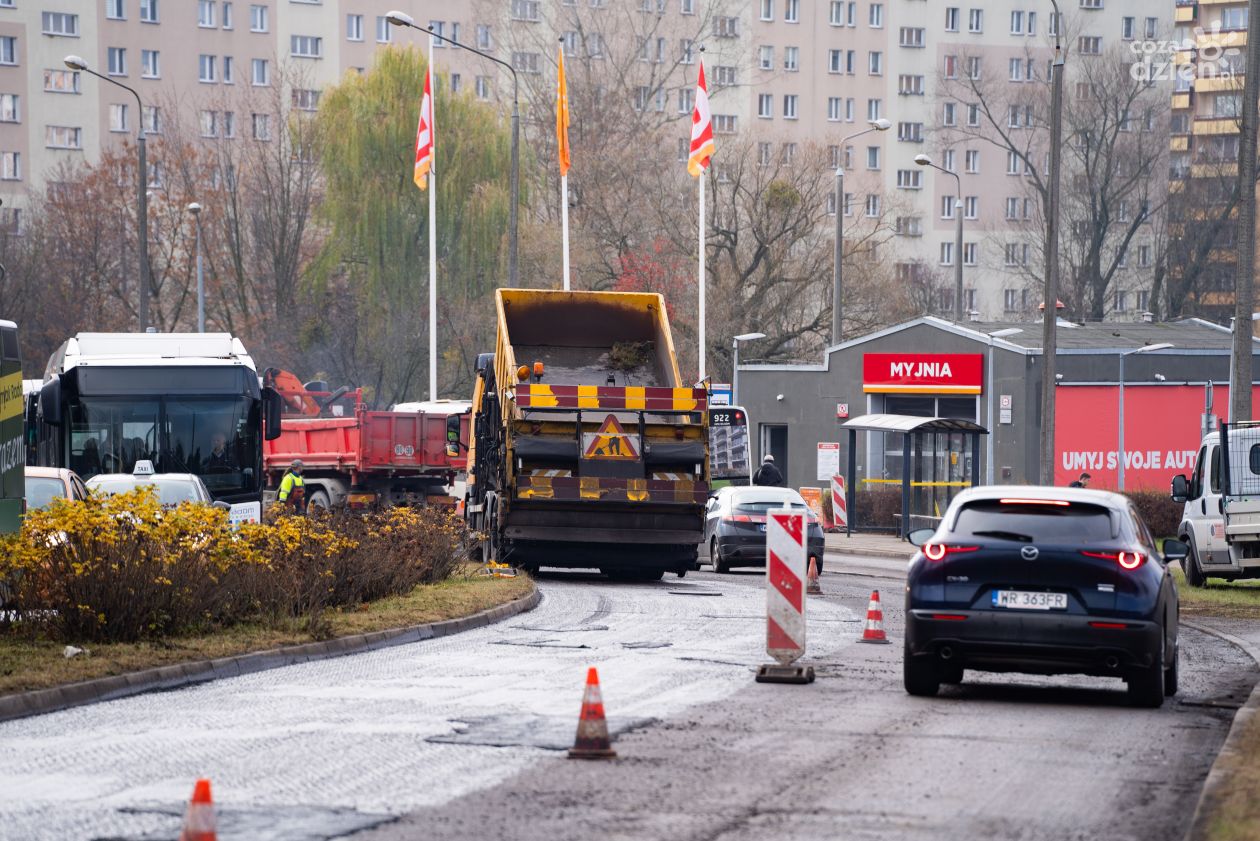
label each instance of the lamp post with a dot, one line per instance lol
(924, 160)
(837, 270)
(74, 62)
(988, 412)
(1120, 435)
(403, 19)
(743, 337)
(195, 210)
(1050, 316)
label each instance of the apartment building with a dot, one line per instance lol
(1206, 111)
(788, 72)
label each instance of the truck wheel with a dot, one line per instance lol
(318, 503)
(1194, 573)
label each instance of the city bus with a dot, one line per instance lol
(730, 451)
(188, 402)
(12, 440)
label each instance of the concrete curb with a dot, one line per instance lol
(40, 701)
(867, 552)
(1231, 751)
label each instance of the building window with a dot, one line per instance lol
(971, 207)
(835, 61)
(1017, 23)
(687, 7)
(765, 106)
(910, 85)
(10, 166)
(792, 59)
(209, 124)
(260, 73)
(228, 70)
(118, 117)
(973, 67)
(973, 114)
(969, 259)
(206, 65)
(262, 126)
(951, 19)
(482, 86)
(949, 114)
(875, 63)
(910, 132)
(972, 157)
(258, 19)
(306, 46)
(227, 15)
(975, 20)
(205, 13)
(686, 100)
(726, 27)
(117, 61)
(485, 37)
(835, 13)
(874, 109)
(114, 9)
(835, 108)
(791, 11)
(872, 206)
(911, 36)
(60, 23)
(354, 27)
(948, 207)
(526, 10)
(909, 179)
(63, 137)
(1152, 27)
(724, 124)
(1127, 28)
(526, 62)
(1089, 45)
(61, 81)
(150, 64)
(947, 254)
(872, 157)
(149, 11)
(151, 120)
(765, 57)
(9, 111)
(308, 100)
(876, 17)
(767, 9)
(687, 49)
(1091, 4)
(848, 110)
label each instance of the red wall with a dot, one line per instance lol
(1161, 432)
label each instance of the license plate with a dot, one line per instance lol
(762, 528)
(1025, 600)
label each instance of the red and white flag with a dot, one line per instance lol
(424, 134)
(702, 147)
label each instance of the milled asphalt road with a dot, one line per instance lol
(463, 737)
(854, 757)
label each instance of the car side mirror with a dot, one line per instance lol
(273, 408)
(1180, 488)
(221, 505)
(50, 408)
(1175, 550)
(920, 536)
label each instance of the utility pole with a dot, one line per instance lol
(1050, 315)
(1244, 283)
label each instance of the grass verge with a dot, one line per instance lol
(1232, 599)
(1234, 806)
(26, 664)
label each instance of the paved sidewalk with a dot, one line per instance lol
(873, 545)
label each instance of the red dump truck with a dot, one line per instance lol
(360, 457)
(588, 450)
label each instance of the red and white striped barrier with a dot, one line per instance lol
(839, 503)
(785, 584)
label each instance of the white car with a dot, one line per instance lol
(171, 488)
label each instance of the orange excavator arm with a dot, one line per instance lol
(297, 400)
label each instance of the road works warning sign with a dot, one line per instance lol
(610, 442)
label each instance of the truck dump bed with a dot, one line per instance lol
(368, 441)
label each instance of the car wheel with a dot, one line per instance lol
(1194, 573)
(715, 557)
(1146, 686)
(1170, 674)
(920, 675)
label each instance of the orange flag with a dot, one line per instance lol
(562, 117)
(424, 134)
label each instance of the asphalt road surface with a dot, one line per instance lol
(463, 737)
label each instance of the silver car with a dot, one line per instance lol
(171, 488)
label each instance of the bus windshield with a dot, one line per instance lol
(215, 437)
(730, 458)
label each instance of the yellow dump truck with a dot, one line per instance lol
(587, 451)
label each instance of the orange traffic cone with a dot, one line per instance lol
(874, 631)
(199, 820)
(592, 740)
(811, 578)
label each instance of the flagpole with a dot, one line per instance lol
(433, 392)
(564, 225)
(701, 328)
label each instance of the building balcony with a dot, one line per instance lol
(1215, 125)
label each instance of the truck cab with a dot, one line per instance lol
(1221, 517)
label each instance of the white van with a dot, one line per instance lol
(1221, 519)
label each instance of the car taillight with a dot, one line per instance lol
(1126, 560)
(745, 518)
(938, 551)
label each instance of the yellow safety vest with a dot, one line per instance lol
(288, 483)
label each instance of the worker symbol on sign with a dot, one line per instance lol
(611, 442)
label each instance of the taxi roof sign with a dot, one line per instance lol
(143, 467)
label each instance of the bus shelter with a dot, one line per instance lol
(928, 459)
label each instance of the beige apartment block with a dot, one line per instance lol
(782, 72)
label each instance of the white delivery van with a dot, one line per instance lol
(1221, 519)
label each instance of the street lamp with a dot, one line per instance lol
(74, 62)
(195, 210)
(996, 334)
(924, 160)
(743, 337)
(1120, 460)
(403, 19)
(837, 270)
(1049, 319)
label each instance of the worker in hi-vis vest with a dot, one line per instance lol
(293, 488)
